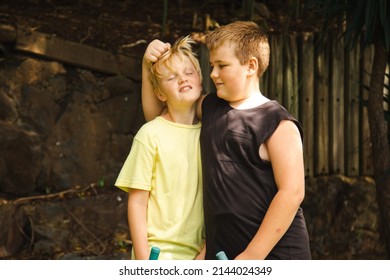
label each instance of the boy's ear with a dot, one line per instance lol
(160, 95)
(253, 65)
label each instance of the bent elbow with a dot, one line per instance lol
(297, 197)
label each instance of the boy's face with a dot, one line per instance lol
(228, 75)
(180, 85)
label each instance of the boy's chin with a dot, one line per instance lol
(190, 100)
(220, 94)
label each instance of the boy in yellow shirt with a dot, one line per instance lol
(162, 172)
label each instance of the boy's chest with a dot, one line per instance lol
(231, 136)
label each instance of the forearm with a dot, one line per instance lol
(276, 222)
(137, 218)
(151, 105)
(202, 254)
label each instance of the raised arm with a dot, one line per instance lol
(151, 105)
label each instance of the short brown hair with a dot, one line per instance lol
(181, 49)
(248, 39)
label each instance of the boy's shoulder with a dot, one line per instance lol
(158, 126)
(150, 126)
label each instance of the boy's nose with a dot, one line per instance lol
(213, 74)
(182, 79)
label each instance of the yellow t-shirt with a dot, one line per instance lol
(165, 160)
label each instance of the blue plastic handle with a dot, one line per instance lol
(154, 253)
(221, 256)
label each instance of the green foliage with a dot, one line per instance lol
(365, 20)
(164, 20)
(248, 6)
(370, 18)
(48, 189)
(101, 182)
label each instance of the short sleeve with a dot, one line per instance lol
(137, 171)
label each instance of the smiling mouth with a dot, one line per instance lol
(185, 89)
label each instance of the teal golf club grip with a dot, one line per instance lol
(154, 253)
(221, 255)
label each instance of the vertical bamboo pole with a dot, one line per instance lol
(275, 72)
(321, 106)
(366, 166)
(164, 19)
(352, 111)
(337, 123)
(306, 98)
(290, 74)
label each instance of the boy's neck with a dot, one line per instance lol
(187, 117)
(252, 100)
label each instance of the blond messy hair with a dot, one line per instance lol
(181, 49)
(248, 40)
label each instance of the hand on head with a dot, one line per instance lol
(155, 50)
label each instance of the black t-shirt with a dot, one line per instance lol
(238, 185)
